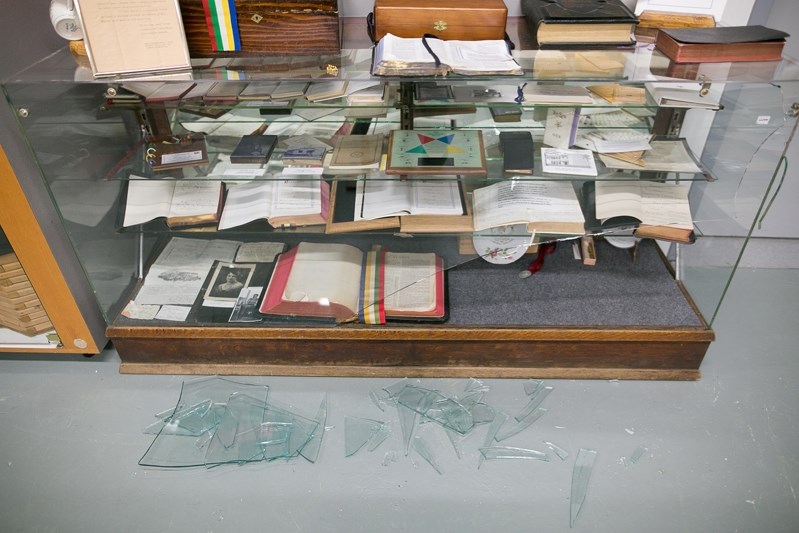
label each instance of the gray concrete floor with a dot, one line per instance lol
(723, 452)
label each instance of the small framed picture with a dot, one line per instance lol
(228, 280)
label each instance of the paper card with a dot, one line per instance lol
(573, 162)
(561, 126)
(173, 313)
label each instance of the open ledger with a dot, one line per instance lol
(399, 56)
(339, 281)
(545, 206)
(413, 205)
(662, 208)
(280, 202)
(180, 202)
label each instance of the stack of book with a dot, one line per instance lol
(20, 308)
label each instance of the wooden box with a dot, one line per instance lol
(466, 20)
(285, 27)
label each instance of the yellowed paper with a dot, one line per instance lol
(128, 37)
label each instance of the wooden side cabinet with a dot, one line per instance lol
(75, 328)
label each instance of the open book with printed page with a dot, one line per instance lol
(400, 56)
(654, 209)
(341, 282)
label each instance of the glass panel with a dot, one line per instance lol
(90, 136)
(23, 320)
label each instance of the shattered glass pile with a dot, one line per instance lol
(218, 421)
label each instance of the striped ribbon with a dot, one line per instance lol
(372, 308)
(223, 29)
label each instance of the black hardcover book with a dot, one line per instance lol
(254, 149)
(580, 22)
(518, 153)
(505, 113)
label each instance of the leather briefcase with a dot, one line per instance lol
(285, 27)
(465, 20)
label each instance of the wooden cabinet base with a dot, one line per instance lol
(640, 353)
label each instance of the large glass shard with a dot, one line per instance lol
(311, 450)
(237, 437)
(357, 432)
(509, 452)
(581, 474)
(482, 413)
(189, 416)
(496, 424)
(395, 388)
(420, 445)
(175, 446)
(279, 422)
(407, 418)
(535, 401)
(509, 431)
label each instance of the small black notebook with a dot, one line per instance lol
(518, 155)
(254, 149)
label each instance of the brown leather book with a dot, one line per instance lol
(721, 44)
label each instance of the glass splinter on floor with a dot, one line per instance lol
(638, 454)
(420, 445)
(524, 423)
(583, 466)
(509, 452)
(535, 401)
(407, 418)
(311, 450)
(557, 450)
(359, 431)
(499, 419)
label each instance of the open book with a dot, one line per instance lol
(334, 280)
(180, 202)
(399, 56)
(280, 202)
(662, 208)
(546, 206)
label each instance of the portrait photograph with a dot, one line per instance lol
(228, 281)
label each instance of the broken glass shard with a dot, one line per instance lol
(511, 430)
(357, 432)
(531, 386)
(455, 439)
(496, 424)
(557, 450)
(435, 406)
(535, 401)
(311, 450)
(638, 454)
(378, 438)
(581, 474)
(407, 418)
(420, 445)
(509, 452)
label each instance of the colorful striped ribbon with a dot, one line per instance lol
(372, 308)
(223, 29)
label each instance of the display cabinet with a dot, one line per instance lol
(643, 310)
(38, 310)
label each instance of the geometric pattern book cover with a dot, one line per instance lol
(436, 152)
